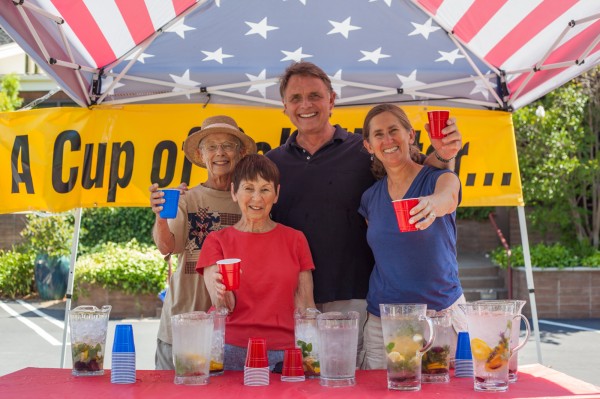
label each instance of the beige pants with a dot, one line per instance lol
(163, 359)
(357, 305)
(374, 348)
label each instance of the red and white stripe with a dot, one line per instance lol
(515, 36)
(104, 30)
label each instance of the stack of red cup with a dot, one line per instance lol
(292, 366)
(256, 370)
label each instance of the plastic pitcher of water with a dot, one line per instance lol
(88, 339)
(338, 341)
(192, 347)
(490, 329)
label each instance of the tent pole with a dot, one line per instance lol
(74, 246)
(529, 278)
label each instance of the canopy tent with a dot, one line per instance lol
(493, 54)
(469, 53)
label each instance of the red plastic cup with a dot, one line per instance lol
(230, 270)
(292, 363)
(256, 356)
(437, 121)
(402, 208)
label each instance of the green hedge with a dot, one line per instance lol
(120, 225)
(546, 256)
(16, 274)
(132, 267)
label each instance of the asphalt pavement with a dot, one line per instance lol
(32, 333)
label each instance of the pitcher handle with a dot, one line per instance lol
(426, 347)
(527, 329)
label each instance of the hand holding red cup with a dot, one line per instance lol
(230, 270)
(438, 120)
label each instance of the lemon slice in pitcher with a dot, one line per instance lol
(480, 350)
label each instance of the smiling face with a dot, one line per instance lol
(256, 198)
(308, 102)
(388, 139)
(220, 152)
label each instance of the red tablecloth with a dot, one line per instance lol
(535, 381)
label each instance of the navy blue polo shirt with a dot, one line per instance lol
(320, 196)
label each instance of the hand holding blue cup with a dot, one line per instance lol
(171, 196)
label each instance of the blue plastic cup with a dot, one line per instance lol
(463, 366)
(123, 341)
(171, 203)
(463, 346)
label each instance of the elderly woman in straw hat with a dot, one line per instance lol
(218, 146)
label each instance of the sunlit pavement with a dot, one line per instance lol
(32, 334)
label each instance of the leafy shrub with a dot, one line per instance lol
(543, 255)
(16, 274)
(120, 225)
(132, 267)
(49, 234)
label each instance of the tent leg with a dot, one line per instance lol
(529, 278)
(74, 246)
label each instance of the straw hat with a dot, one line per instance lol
(215, 124)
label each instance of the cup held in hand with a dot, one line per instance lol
(170, 205)
(402, 208)
(230, 270)
(437, 121)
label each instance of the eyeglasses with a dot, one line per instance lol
(226, 146)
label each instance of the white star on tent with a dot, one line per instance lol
(184, 80)
(388, 2)
(259, 87)
(410, 81)
(450, 57)
(423, 29)
(260, 28)
(107, 82)
(180, 28)
(141, 58)
(373, 56)
(337, 87)
(216, 55)
(342, 28)
(480, 86)
(295, 55)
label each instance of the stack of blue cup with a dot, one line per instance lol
(123, 356)
(464, 359)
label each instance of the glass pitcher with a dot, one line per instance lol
(88, 339)
(490, 329)
(307, 339)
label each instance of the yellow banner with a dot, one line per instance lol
(63, 158)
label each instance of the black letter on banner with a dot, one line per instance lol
(115, 158)
(86, 180)
(60, 186)
(186, 172)
(171, 149)
(263, 147)
(21, 146)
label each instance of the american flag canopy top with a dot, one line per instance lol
(499, 54)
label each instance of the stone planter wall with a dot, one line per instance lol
(568, 293)
(123, 305)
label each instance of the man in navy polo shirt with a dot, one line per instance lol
(324, 172)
